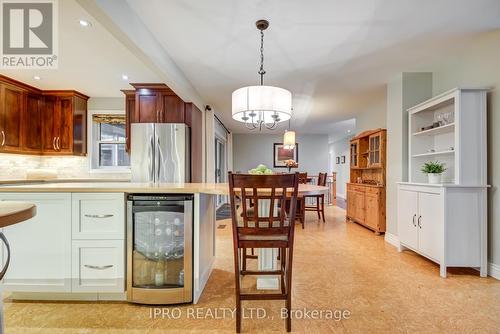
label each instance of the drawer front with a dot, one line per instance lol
(98, 216)
(356, 188)
(372, 190)
(98, 266)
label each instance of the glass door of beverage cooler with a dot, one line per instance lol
(159, 254)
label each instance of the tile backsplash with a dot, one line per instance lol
(14, 166)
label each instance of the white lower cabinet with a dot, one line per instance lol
(41, 246)
(98, 266)
(75, 243)
(446, 224)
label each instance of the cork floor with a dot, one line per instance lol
(339, 267)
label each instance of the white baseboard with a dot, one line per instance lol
(494, 270)
(391, 239)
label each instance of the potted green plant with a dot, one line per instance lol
(434, 170)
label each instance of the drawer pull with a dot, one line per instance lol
(98, 267)
(99, 216)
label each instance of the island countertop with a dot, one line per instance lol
(124, 187)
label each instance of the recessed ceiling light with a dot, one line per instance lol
(36, 77)
(85, 23)
(124, 77)
(348, 131)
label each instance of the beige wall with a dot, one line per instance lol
(372, 114)
(479, 65)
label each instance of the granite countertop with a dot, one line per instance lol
(125, 187)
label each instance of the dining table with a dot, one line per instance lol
(267, 257)
(11, 213)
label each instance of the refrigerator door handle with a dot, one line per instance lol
(151, 159)
(160, 158)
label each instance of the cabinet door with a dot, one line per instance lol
(40, 246)
(129, 116)
(64, 141)
(354, 153)
(98, 266)
(172, 109)
(359, 206)
(430, 225)
(374, 150)
(10, 118)
(79, 134)
(146, 106)
(372, 212)
(407, 218)
(49, 132)
(32, 130)
(350, 204)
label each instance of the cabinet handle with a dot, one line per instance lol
(99, 216)
(414, 223)
(419, 224)
(98, 267)
(3, 139)
(54, 144)
(58, 143)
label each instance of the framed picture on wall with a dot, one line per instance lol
(281, 154)
(343, 159)
(337, 160)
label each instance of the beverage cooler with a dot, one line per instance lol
(159, 248)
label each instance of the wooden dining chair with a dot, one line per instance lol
(301, 203)
(319, 207)
(268, 224)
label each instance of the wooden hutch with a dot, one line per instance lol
(366, 187)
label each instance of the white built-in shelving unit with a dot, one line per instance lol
(447, 222)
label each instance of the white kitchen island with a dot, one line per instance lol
(48, 261)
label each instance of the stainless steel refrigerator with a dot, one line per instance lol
(160, 152)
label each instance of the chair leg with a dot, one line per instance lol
(237, 287)
(317, 208)
(244, 259)
(301, 211)
(288, 303)
(323, 207)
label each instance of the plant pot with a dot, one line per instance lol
(434, 178)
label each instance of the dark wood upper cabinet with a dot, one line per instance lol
(129, 115)
(194, 119)
(32, 120)
(41, 122)
(11, 106)
(172, 110)
(156, 103)
(64, 123)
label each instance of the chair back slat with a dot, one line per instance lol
(322, 179)
(263, 190)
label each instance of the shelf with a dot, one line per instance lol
(436, 131)
(433, 153)
(362, 168)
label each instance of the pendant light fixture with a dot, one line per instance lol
(261, 106)
(289, 138)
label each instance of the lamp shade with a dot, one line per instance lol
(266, 104)
(289, 140)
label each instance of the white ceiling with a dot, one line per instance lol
(91, 60)
(328, 53)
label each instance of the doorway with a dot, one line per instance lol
(220, 167)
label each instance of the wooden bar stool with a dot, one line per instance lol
(320, 199)
(266, 225)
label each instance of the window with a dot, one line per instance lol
(108, 137)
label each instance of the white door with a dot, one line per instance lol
(430, 225)
(407, 218)
(41, 246)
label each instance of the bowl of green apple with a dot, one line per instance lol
(261, 170)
